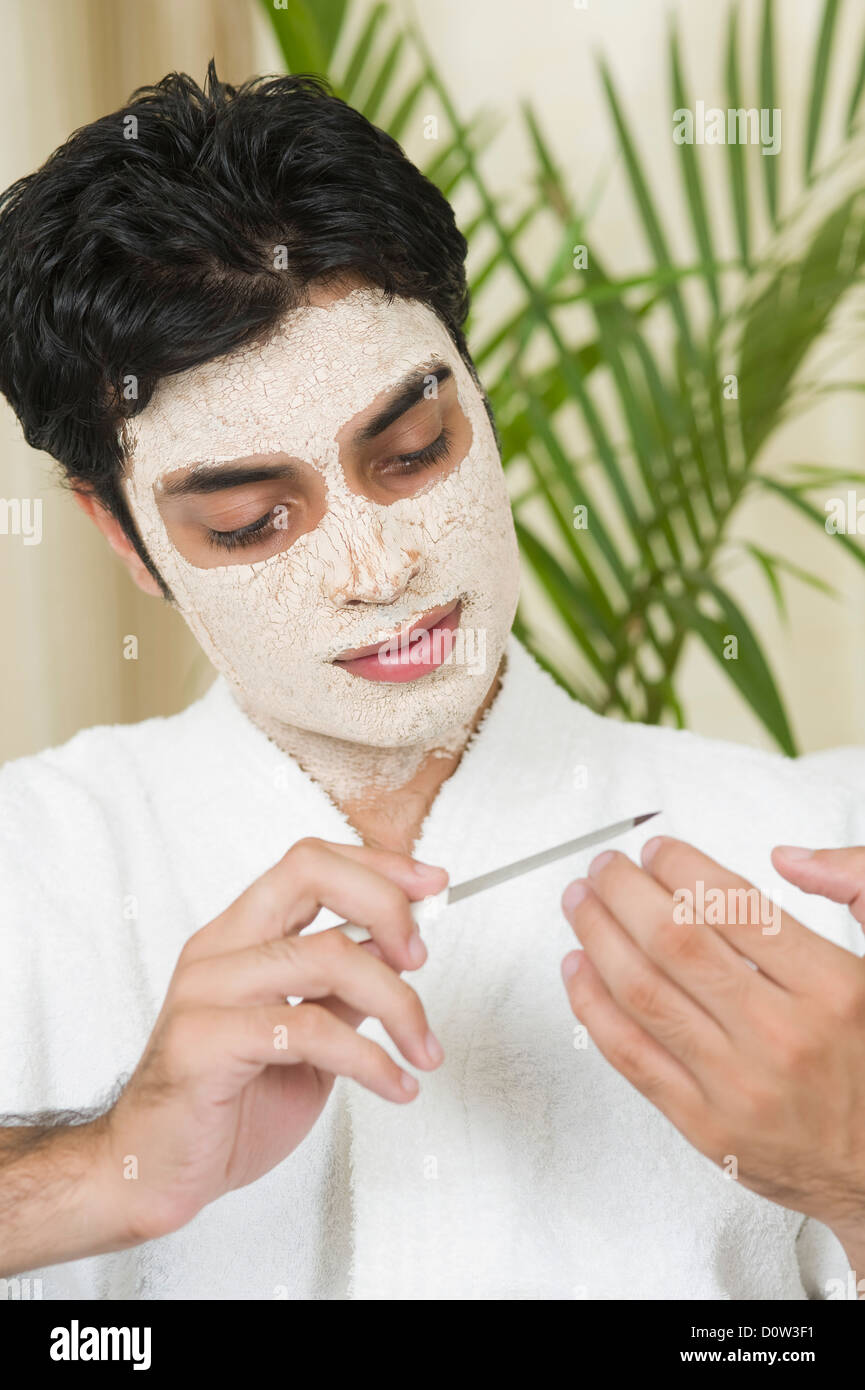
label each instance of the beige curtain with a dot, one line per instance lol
(66, 604)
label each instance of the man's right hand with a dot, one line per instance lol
(233, 1077)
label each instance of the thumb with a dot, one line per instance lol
(838, 874)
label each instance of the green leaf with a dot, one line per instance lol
(402, 115)
(818, 82)
(689, 166)
(359, 56)
(302, 39)
(781, 562)
(649, 217)
(808, 509)
(790, 313)
(383, 79)
(768, 102)
(737, 154)
(749, 671)
(768, 564)
(856, 90)
(563, 596)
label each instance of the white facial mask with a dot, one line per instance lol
(367, 568)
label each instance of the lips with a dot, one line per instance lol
(412, 652)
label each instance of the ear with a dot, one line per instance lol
(118, 540)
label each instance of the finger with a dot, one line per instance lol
(703, 965)
(315, 874)
(283, 1035)
(314, 968)
(354, 1017)
(417, 880)
(797, 959)
(643, 992)
(630, 1049)
(838, 874)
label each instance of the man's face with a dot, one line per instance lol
(315, 496)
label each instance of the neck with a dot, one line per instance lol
(384, 793)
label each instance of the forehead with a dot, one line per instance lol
(321, 366)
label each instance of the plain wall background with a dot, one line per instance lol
(66, 605)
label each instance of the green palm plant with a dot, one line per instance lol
(628, 539)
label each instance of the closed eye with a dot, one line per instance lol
(244, 535)
(263, 527)
(425, 457)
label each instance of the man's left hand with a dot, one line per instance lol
(762, 1070)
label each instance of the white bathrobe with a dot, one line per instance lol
(527, 1167)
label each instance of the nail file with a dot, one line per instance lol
(429, 910)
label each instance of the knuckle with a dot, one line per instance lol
(184, 989)
(755, 1103)
(323, 956)
(304, 857)
(373, 1059)
(640, 994)
(795, 1049)
(848, 998)
(307, 1024)
(331, 946)
(736, 986)
(627, 1056)
(187, 951)
(394, 900)
(677, 941)
(279, 950)
(794, 1037)
(407, 999)
(308, 842)
(266, 897)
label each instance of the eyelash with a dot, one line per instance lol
(248, 535)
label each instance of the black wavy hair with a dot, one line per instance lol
(144, 246)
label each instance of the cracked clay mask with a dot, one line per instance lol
(367, 568)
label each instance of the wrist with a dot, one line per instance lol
(104, 1217)
(132, 1212)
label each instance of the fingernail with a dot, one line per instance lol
(571, 964)
(793, 851)
(650, 849)
(417, 952)
(599, 861)
(426, 871)
(574, 894)
(407, 1082)
(434, 1049)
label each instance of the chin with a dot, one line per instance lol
(419, 712)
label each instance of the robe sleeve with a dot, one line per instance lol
(823, 1265)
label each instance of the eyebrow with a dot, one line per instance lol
(217, 477)
(220, 477)
(405, 394)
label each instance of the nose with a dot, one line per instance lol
(371, 565)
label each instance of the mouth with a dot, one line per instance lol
(412, 652)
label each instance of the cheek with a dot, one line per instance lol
(469, 505)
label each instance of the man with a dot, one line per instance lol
(240, 333)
